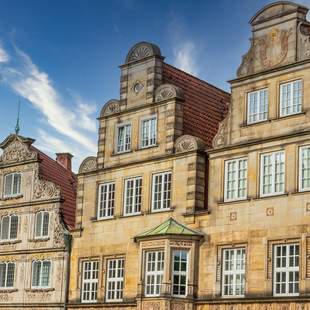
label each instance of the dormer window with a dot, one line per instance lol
(123, 138)
(12, 185)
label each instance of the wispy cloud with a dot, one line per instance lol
(35, 85)
(4, 57)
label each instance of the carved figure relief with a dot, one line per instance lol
(88, 164)
(303, 41)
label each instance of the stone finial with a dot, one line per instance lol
(142, 50)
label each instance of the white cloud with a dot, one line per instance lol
(35, 85)
(185, 58)
(4, 57)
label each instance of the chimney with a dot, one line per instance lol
(64, 159)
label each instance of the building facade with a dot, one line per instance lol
(146, 183)
(37, 210)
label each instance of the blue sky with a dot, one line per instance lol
(61, 57)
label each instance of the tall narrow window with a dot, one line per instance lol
(123, 138)
(304, 168)
(90, 276)
(41, 225)
(148, 133)
(132, 196)
(257, 106)
(41, 274)
(115, 279)
(286, 270)
(272, 173)
(290, 98)
(7, 273)
(9, 227)
(161, 191)
(154, 272)
(179, 273)
(12, 185)
(106, 200)
(235, 179)
(233, 274)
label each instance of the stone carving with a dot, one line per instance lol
(17, 151)
(188, 143)
(167, 91)
(44, 189)
(180, 243)
(220, 139)
(137, 87)
(303, 41)
(153, 305)
(111, 107)
(267, 51)
(58, 233)
(88, 164)
(142, 50)
(178, 306)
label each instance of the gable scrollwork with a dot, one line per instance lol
(88, 164)
(168, 91)
(187, 143)
(44, 189)
(113, 106)
(303, 41)
(16, 152)
(220, 139)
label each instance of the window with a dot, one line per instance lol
(115, 279)
(154, 272)
(41, 274)
(290, 98)
(41, 226)
(90, 277)
(106, 200)
(148, 132)
(132, 196)
(12, 184)
(286, 270)
(304, 168)
(7, 271)
(235, 179)
(9, 226)
(257, 106)
(233, 274)
(179, 273)
(161, 191)
(123, 138)
(272, 174)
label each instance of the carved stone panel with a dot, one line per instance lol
(89, 164)
(44, 189)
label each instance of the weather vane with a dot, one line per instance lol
(17, 127)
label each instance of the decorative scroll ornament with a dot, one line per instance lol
(17, 151)
(58, 232)
(219, 139)
(188, 143)
(303, 41)
(167, 91)
(88, 164)
(44, 189)
(111, 107)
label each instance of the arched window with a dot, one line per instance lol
(41, 224)
(9, 227)
(41, 270)
(12, 185)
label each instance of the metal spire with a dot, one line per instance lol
(17, 127)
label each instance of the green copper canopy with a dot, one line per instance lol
(169, 227)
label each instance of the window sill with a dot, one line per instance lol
(223, 202)
(12, 197)
(160, 211)
(256, 123)
(10, 242)
(39, 239)
(142, 148)
(33, 289)
(131, 215)
(96, 219)
(288, 116)
(271, 196)
(8, 290)
(120, 153)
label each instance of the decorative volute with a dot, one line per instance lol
(280, 36)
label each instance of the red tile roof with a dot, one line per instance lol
(52, 171)
(204, 107)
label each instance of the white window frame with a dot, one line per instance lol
(286, 269)
(126, 147)
(41, 262)
(291, 98)
(134, 200)
(273, 174)
(107, 205)
(233, 272)
(259, 106)
(115, 283)
(180, 273)
(237, 179)
(153, 278)
(41, 230)
(9, 227)
(6, 274)
(12, 194)
(151, 143)
(300, 170)
(164, 193)
(93, 280)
